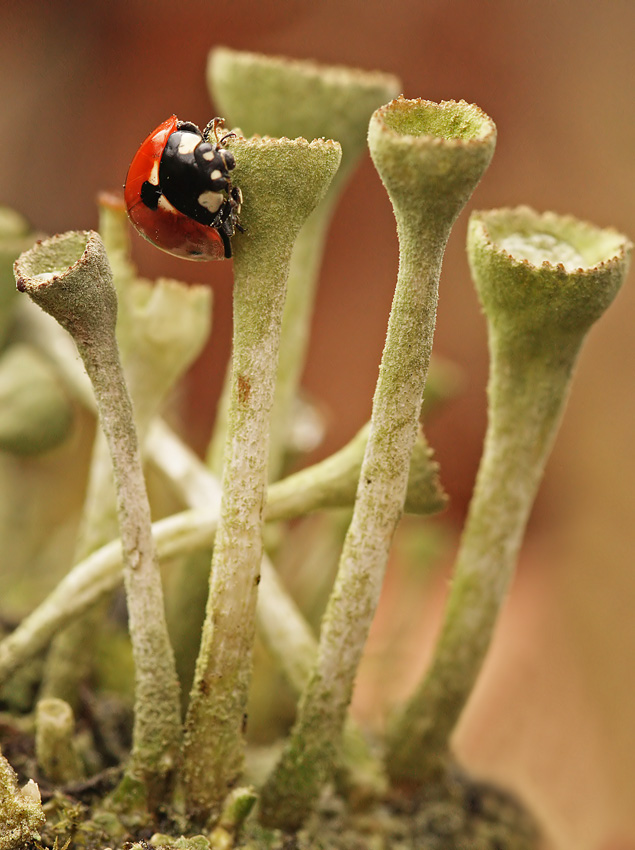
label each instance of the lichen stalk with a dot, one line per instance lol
(412, 143)
(161, 328)
(537, 319)
(296, 325)
(282, 181)
(57, 757)
(284, 630)
(69, 277)
(92, 579)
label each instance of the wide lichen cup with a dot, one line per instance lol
(69, 277)
(50, 259)
(544, 269)
(431, 156)
(279, 97)
(542, 280)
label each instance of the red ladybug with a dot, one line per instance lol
(178, 192)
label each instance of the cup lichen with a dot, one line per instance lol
(282, 181)
(428, 180)
(69, 277)
(538, 312)
(542, 279)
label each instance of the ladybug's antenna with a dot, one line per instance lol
(212, 127)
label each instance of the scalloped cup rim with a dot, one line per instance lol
(480, 218)
(284, 141)
(486, 136)
(23, 281)
(311, 68)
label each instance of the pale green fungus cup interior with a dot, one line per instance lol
(448, 120)
(549, 238)
(53, 256)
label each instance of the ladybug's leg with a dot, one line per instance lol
(221, 216)
(226, 242)
(235, 203)
(224, 224)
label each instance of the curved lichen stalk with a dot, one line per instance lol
(327, 484)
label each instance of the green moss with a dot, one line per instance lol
(21, 814)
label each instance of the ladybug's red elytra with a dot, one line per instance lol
(179, 194)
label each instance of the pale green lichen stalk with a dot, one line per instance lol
(542, 280)
(430, 157)
(326, 484)
(282, 181)
(332, 483)
(69, 277)
(57, 757)
(161, 328)
(281, 97)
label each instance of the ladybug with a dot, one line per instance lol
(179, 194)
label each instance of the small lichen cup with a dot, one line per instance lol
(545, 270)
(543, 280)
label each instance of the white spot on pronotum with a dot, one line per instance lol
(216, 174)
(210, 200)
(188, 142)
(209, 155)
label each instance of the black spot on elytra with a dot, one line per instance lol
(150, 195)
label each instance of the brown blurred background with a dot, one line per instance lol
(83, 83)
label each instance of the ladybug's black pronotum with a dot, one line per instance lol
(179, 194)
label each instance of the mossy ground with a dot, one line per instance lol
(476, 818)
(457, 815)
